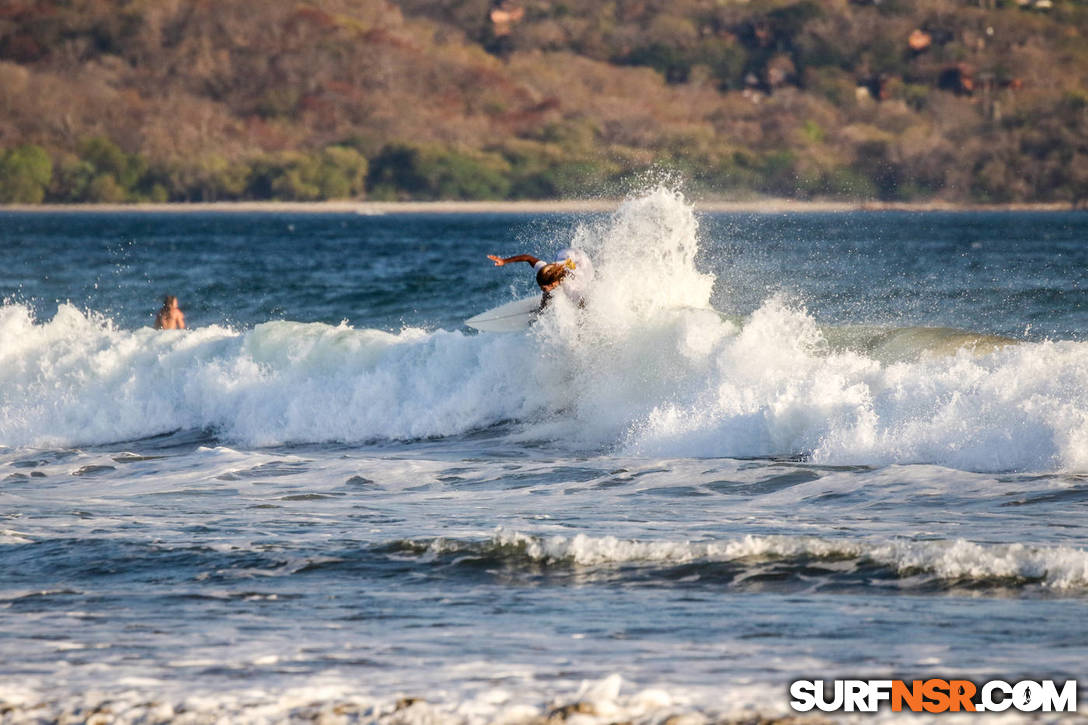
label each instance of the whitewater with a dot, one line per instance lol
(649, 368)
(768, 448)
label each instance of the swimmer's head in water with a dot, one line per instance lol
(169, 301)
(550, 276)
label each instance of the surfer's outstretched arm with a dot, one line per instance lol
(500, 261)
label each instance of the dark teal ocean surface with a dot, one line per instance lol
(771, 447)
(997, 272)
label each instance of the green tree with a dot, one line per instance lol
(104, 189)
(71, 178)
(429, 172)
(336, 172)
(341, 173)
(216, 178)
(25, 173)
(295, 178)
(108, 160)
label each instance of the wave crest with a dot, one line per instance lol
(791, 561)
(648, 368)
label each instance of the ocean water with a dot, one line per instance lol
(771, 447)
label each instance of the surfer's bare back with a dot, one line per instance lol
(170, 317)
(571, 267)
(548, 275)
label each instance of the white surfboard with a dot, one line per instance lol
(511, 317)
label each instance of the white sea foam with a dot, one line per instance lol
(77, 379)
(7, 536)
(594, 702)
(1053, 567)
(646, 369)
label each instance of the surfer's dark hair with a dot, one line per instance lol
(550, 274)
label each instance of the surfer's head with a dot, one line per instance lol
(550, 275)
(169, 301)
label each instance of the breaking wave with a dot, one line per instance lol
(648, 368)
(780, 562)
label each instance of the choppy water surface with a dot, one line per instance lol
(770, 448)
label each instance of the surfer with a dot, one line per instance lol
(571, 269)
(170, 317)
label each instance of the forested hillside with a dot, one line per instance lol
(133, 100)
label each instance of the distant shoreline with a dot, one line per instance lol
(368, 208)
